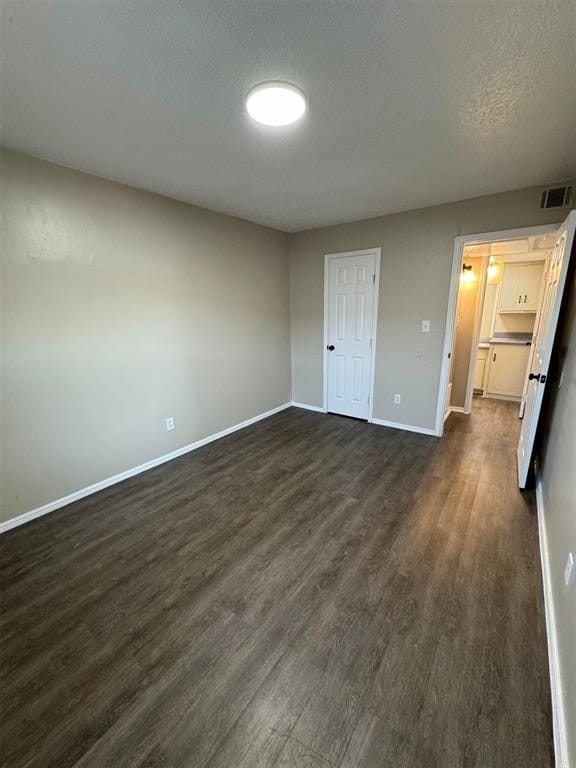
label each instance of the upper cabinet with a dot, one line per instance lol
(520, 287)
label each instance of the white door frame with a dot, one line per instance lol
(459, 243)
(327, 258)
(476, 334)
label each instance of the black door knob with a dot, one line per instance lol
(534, 376)
(330, 347)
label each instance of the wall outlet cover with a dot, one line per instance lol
(397, 399)
(425, 326)
(170, 425)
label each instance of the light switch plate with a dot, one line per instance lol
(425, 326)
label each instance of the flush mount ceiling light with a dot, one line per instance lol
(275, 103)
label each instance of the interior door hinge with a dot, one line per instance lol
(370, 342)
(368, 399)
(373, 278)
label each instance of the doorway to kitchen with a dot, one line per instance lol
(505, 297)
(499, 296)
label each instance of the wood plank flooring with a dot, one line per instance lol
(311, 592)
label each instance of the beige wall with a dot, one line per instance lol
(121, 308)
(464, 332)
(558, 472)
(417, 251)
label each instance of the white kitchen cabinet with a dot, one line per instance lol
(520, 288)
(507, 369)
(481, 359)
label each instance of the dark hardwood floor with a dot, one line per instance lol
(310, 592)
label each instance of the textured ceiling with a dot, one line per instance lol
(411, 103)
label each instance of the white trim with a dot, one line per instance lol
(448, 337)
(448, 399)
(457, 409)
(378, 422)
(377, 252)
(558, 713)
(480, 297)
(459, 243)
(325, 338)
(308, 407)
(405, 427)
(99, 486)
(509, 234)
(375, 303)
(509, 398)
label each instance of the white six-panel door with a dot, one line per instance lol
(350, 293)
(543, 343)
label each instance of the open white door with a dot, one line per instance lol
(551, 301)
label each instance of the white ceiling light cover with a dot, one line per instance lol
(275, 103)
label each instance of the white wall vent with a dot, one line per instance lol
(556, 197)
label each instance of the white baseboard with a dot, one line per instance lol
(558, 717)
(99, 486)
(406, 427)
(379, 422)
(457, 409)
(307, 407)
(509, 398)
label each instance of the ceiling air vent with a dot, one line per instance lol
(556, 197)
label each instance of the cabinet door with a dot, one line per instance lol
(480, 367)
(521, 287)
(507, 369)
(529, 286)
(510, 294)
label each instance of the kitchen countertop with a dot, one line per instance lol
(512, 338)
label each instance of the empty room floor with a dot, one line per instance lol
(310, 592)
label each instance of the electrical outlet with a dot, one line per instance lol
(425, 326)
(569, 570)
(397, 399)
(170, 425)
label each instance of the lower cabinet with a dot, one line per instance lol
(507, 370)
(479, 373)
